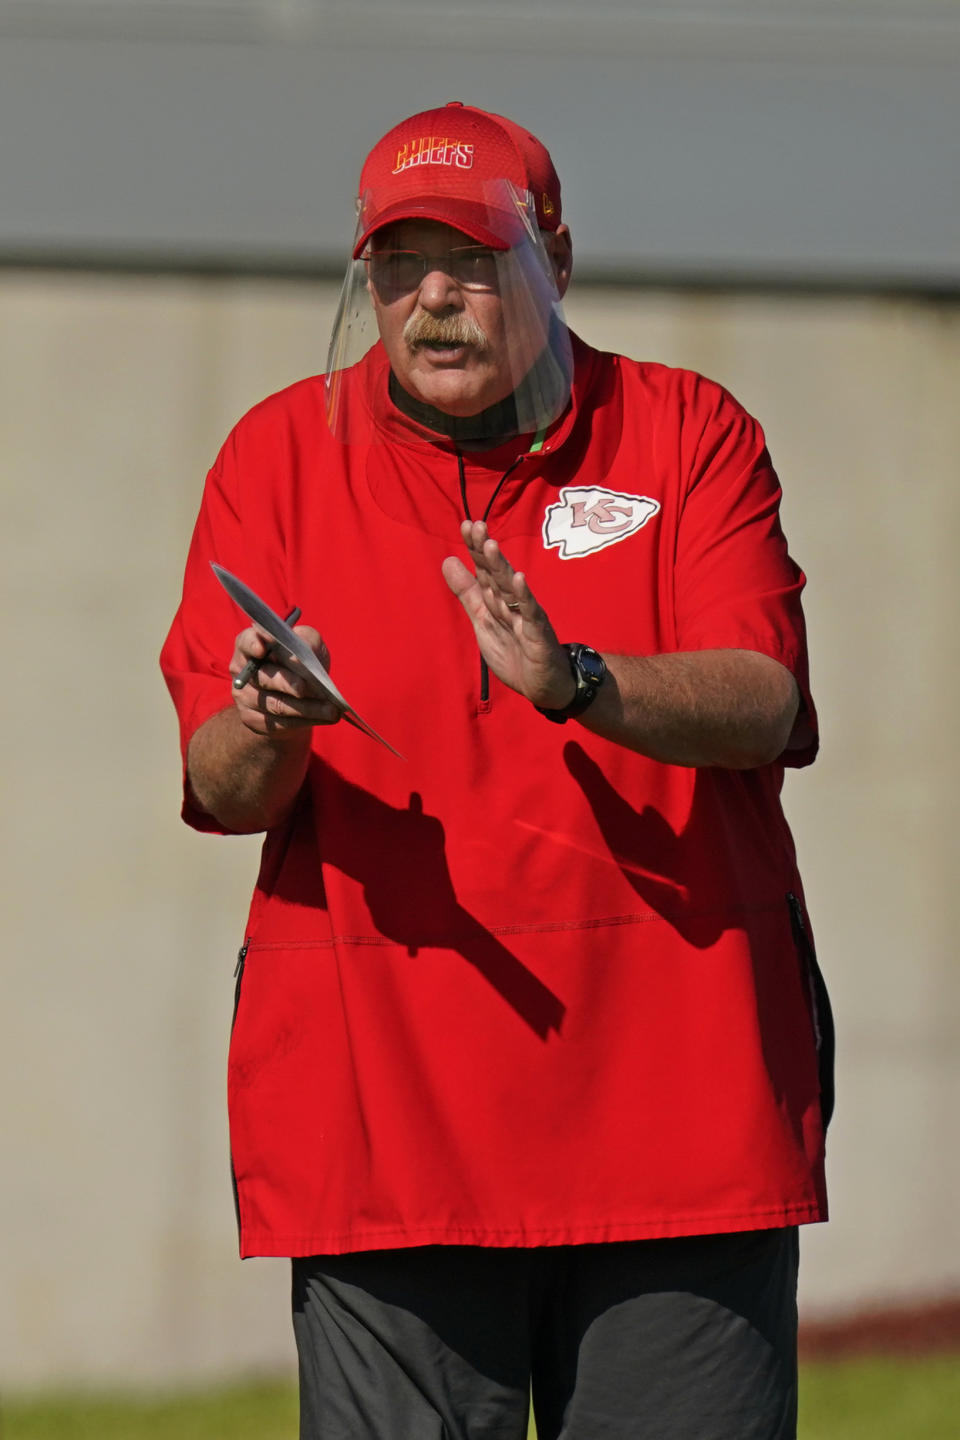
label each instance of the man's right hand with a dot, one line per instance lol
(246, 764)
(279, 699)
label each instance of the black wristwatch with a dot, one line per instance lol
(588, 669)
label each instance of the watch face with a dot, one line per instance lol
(590, 664)
(588, 670)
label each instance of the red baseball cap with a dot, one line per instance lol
(437, 166)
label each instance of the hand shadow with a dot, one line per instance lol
(363, 836)
(654, 858)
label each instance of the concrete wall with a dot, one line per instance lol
(121, 926)
(745, 138)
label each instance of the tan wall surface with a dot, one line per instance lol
(118, 1260)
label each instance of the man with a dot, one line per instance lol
(530, 1063)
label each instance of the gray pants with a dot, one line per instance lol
(687, 1339)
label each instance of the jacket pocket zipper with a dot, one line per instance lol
(238, 977)
(820, 1008)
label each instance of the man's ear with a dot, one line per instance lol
(560, 249)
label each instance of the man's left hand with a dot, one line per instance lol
(513, 631)
(733, 708)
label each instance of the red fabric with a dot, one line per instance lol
(524, 987)
(439, 165)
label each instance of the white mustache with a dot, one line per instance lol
(424, 329)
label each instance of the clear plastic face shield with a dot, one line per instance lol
(460, 330)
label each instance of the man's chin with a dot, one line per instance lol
(455, 393)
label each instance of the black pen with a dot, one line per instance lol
(252, 666)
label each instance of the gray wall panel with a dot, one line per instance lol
(715, 152)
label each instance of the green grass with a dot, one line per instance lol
(881, 1399)
(852, 1400)
(255, 1412)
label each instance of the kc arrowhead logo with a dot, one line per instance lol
(587, 517)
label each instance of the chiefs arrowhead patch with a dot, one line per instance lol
(588, 517)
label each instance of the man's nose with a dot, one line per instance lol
(439, 290)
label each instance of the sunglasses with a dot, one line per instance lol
(398, 272)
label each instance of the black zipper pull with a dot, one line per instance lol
(796, 915)
(823, 1026)
(804, 944)
(238, 977)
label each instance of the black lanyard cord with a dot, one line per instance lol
(496, 491)
(484, 671)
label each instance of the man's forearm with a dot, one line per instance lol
(246, 781)
(730, 708)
